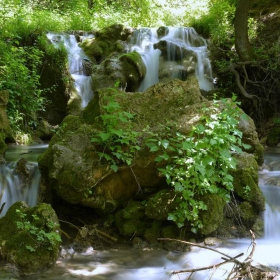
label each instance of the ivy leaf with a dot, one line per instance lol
(186, 145)
(104, 136)
(165, 143)
(114, 167)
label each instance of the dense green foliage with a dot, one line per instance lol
(201, 162)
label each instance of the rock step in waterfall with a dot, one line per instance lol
(167, 53)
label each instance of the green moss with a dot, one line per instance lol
(92, 49)
(213, 216)
(130, 220)
(3, 145)
(247, 214)
(159, 205)
(92, 110)
(153, 233)
(135, 59)
(170, 231)
(247, 189)
(273, 137)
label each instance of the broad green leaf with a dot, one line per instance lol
(165, 143)
(187, 145)
(114, 167)
(104, 136)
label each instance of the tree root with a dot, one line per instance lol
(242, 270)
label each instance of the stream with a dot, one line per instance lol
(124, 262)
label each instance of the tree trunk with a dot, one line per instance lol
(242, 44)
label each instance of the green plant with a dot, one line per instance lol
(43, 236)
(200, 162)
(118, 141)
(247, 190)
(19, 75)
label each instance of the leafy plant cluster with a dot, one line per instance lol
(40, 236)
(118, 141)
(200, 162)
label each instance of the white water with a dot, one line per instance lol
(76, 56)
(143, 41)
(182, 38)
(11, 187)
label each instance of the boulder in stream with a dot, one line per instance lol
(73, 165)
(30, 237)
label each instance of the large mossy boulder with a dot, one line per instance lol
(29, 237)
(105, 42)
(126, 70)
(72, 166)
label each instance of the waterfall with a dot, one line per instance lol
(180, 43)
(269, 183)
(142, 42)
(12, 188)
(20, 183)
(76, 59)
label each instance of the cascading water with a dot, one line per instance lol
(13, 187)
(76, 60)
(142, 42)
(270, 185)
(179, 42)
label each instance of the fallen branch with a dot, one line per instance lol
(242, 270)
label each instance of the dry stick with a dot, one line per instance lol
(205, 267)
(2, 207)
(203, 247)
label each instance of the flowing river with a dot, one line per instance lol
(124, 262)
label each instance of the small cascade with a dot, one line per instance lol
(270, 186)
(13, 188)
(182, 49)
(20, 176)
(142, 42)
(76, 60)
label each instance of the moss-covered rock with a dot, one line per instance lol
(73, 167)
(127, 69)
(213, 216)
(245, 181)
(170, 231)
(29, 237)
(105, 42)
(160, 204)
(248, 214)
(273, 137)
(130, 220)
(152, 233)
